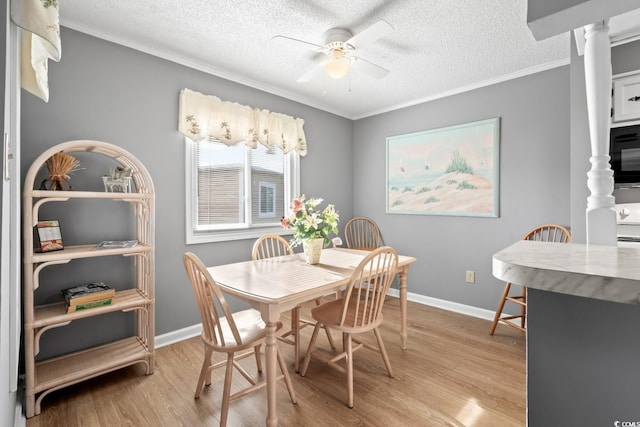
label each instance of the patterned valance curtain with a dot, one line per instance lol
(202, 116)
(40, 42)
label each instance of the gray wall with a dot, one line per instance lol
(534, 182)
(107, 92)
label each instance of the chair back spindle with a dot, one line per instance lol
(365, 294)
(270, 245)
(362, 233)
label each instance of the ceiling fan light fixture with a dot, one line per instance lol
(338, 66)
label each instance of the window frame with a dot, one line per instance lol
(248, 231)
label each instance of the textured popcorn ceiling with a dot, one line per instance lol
(438, 47)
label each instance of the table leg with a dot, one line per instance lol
(271, 357)
(403, 308)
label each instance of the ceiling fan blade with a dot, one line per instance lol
(364, 66)
(370, 34)
(298, 41)
(312, 72)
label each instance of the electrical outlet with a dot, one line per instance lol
(471, 276)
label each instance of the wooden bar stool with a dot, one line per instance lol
(544, 233)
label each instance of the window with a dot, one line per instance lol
(267, 200)
(237, 192)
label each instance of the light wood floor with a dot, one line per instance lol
(452, 374)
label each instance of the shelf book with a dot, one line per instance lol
(88, 296)
(117, 244)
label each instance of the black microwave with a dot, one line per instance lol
(625, 155)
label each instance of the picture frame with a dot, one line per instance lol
(48, 236)
(626, 97)
(446, 171)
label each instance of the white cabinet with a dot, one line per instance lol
(626, 99)
(44, 376)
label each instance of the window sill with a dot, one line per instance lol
(194, 238)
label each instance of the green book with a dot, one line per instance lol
(90, 304)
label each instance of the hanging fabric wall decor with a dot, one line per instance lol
(39, 20)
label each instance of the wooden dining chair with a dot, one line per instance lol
(239, 335)
(273, 245)
(359, 310)
(362, 233)
(544, 233)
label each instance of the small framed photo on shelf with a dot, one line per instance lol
(48, 236)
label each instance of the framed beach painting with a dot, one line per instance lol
(446, 171)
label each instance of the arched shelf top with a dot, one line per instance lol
(140, 174)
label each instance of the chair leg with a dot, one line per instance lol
(383, 352)
(312, 346)
(295, 329)
(329, 337)
(523, 309)
(349, 351)
(256, 350)
(287, 378)
(226, 390)
(205, 372)
(503, 299)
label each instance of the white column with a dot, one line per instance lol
(601, 215)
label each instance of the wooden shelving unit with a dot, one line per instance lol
(45, 376)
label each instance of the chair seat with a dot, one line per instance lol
(329, 314)
(250, 327)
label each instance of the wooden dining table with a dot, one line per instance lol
(276, 285)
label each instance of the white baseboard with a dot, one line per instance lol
(195, 330)
(179, 335)
(446, 305)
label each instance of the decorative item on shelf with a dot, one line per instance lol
(48, 236)
(60, 166)
(311, 226)
(118, 181)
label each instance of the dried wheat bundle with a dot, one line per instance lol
(60, 166)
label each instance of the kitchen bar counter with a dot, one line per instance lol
(583, 331)
(606, 273)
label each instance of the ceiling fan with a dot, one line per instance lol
(340, 52)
